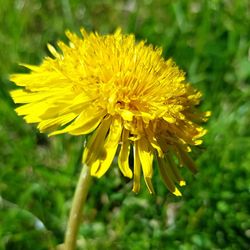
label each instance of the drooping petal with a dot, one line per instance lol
(96, 143)
(166, 177)
(185, 159)
(137, 169)
(146, 159)
(123, 158)
(171, 165)
(153, 141)
(109, 149)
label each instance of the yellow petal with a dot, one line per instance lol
(126, 115)
(80, 102)
(146, 117)
(137, 169)
(31, 108)
(31, 67)
(123, 158)
(54, 52)
(96, 143)
(22, 96)
(40, 106)
(197, 142)
(146, 159)
(85, 123)
(84, 32)
(169, 119)
(74, 40)
(56, 122)
(153, 141)
(42, 79)
(20, 79)
(109, 148)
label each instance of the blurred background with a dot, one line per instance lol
(207, 39)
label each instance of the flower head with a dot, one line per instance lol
(123, 91)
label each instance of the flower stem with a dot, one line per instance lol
(79, 199)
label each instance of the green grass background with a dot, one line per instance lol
(210, 41)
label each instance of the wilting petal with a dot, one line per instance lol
(166, 177)
(185, 159)
(173, 169)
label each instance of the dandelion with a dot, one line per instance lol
(134, 103)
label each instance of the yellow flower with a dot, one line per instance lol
(123, 91)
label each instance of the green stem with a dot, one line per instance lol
(79, 199)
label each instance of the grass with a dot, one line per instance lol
(210, 41)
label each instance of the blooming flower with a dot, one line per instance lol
(123, 91)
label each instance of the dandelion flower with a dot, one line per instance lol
(133, 101)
